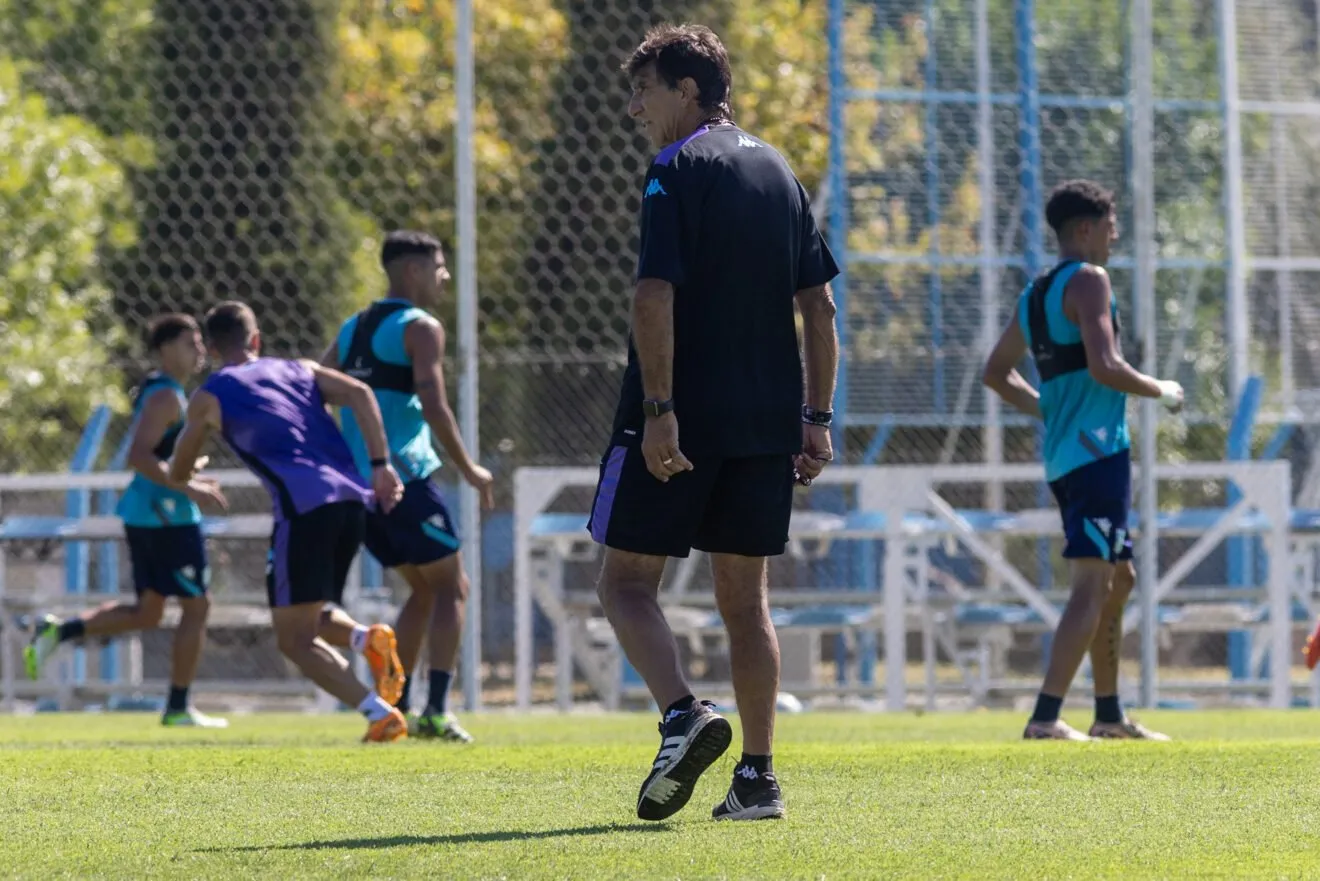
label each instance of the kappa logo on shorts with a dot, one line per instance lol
(439, 521)
(189, 572)
(168, 506)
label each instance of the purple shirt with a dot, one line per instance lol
(274, 418)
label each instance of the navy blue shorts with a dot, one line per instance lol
(416, 531)
(723, 506)
(1094, 501)
(168, 560)
(312, 553)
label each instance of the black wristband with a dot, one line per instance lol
(379, 463)
(821, 418)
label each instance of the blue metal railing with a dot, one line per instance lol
(78, 503)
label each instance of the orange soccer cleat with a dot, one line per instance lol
(387, 729)
(1312, 649)
(382, 654)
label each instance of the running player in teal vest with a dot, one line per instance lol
(1068, 320)
(396, 347)
(162, 525)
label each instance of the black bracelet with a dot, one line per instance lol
(821, 418)
(379, 463)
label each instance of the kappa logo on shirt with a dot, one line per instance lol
(654, 189)
(744, 141)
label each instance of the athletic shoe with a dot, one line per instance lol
(1056, 730)
(752, 796)
(45, 639)
(431, 725)
(387, 729)
(1125, 730)
(191, 718)
(690, 742)
(382, 654)
(1312, 649)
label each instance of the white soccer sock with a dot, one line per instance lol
(359, 639)
(374, 708)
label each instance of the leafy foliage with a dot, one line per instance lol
(61, 196)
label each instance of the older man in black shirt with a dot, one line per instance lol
(728, 246)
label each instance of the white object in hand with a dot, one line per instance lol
(1171, 393)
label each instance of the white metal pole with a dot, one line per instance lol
(1283, 279)
(985, 150)
(466, 184)
(1237, 317)
(1143, 187)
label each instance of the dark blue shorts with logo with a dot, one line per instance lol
(417, 531)
(168, 560)
(1094, 501)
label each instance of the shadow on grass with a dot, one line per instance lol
(463, 838)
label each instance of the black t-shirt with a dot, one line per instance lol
(725, 221)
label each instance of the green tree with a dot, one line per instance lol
(61, 197)
(239, 202)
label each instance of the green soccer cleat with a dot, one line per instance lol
(431, 725)
(45, 639)
(191, 718)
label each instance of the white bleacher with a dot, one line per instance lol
(232, 609)
(901, 506)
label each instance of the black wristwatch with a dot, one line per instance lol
(657, 408)
(821, 418)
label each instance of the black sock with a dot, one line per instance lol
(759, 764)
(74, 628)
(178, 701)
(439, 690)
(682, 705)
(1107, 709)
(405, 696)
(1047, 708)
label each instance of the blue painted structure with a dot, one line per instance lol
(78, 503)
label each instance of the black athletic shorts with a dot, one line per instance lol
(168, 560)
(310, 554)
(723, 506)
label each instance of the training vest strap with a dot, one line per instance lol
(362, 363)
(1052, 359)
(165, 446)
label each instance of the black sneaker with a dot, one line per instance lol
(752, 796)
(689, 744)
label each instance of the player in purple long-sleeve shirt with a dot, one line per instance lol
(272, 413)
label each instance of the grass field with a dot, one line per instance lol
(869, 796)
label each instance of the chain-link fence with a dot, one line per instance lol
(166, 154)
(973, 110)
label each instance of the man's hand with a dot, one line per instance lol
(1171, 394)
(817, 452)
(206, 491)
(202, 462)
(483, 482)
(660, 448)
(388, 488)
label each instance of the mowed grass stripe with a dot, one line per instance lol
(935, 796)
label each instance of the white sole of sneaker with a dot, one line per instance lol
(683, 770)
(756, 812)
